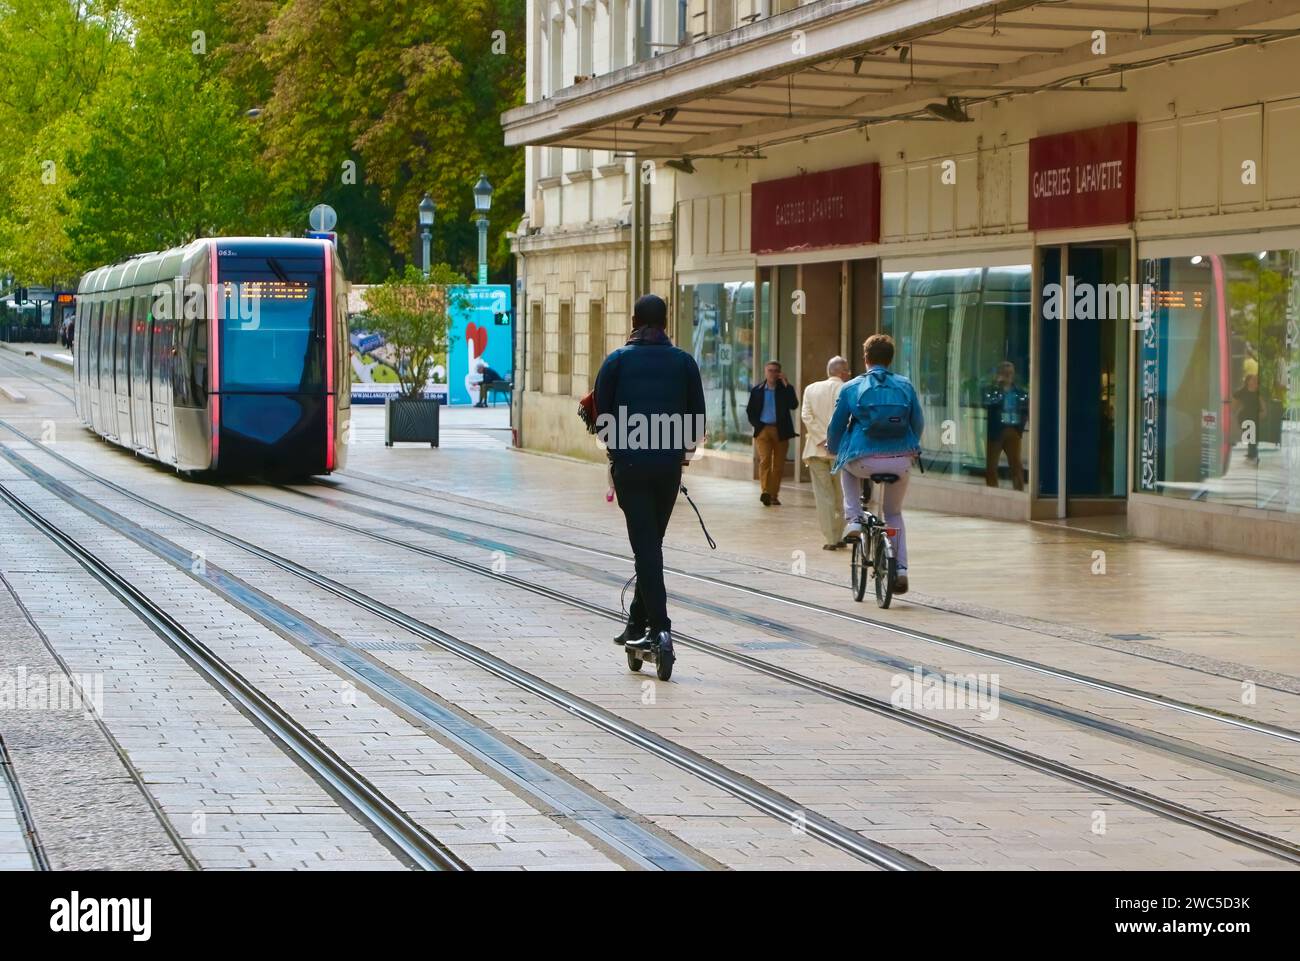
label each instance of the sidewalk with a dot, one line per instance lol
(1224, 613)
(54, 354)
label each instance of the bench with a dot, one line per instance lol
(496, 387)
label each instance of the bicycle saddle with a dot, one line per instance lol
(884, 478)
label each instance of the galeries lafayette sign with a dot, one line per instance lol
(1084, 178)
(830, 208)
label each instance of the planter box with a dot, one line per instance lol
(411, 420)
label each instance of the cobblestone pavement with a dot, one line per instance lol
(213, 788)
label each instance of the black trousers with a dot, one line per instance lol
(646, 494)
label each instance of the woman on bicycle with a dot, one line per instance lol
(876, 429)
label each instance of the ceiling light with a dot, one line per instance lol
(684, 165)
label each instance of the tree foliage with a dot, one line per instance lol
(412, 314)
(166, 120)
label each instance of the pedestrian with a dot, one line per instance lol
(648, 381)
(1250, 409)
(770, 403)
(486, 376)
(876, 429)
(1008, 414)
(818, 407)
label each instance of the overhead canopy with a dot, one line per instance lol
(839, 64)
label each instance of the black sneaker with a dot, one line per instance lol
(766, 498)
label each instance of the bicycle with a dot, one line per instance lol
(874, 549)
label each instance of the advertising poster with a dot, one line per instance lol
(480, 330)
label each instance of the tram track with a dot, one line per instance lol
(25, 374)
(389, 683)
(1172, 810)
(1110, 687)
(9, 784)
(783, 807)
(1179, 748)
(356, 794)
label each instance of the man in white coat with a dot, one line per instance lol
(818, 406)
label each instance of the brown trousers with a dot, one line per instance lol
(771, 451)
(1009, 441)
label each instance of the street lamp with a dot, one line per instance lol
(482, 204)
(426, 228)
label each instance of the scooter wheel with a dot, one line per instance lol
(633, 662)
(664, 668)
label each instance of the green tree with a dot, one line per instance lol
(164, 161)
(411, 93)
(413, 315)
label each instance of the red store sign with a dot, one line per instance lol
(830, 208)
(1084, 178)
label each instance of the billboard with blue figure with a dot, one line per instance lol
(480, 341)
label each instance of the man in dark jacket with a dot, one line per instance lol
(650, 415)
(486, 376)
(769, 409)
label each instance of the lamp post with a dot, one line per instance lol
(426, 228)
(482, 204)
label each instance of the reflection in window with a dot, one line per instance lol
(962, 338)
(1218, 412)
(715, 322)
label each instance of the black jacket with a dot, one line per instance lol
(786, 401)
(646, 379)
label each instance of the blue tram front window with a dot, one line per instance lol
(272, 324)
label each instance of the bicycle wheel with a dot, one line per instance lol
(858, 572)
(886, 566)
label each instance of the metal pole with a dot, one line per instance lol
(647, 177)
(482, 249)
(638, 214)
(426, 236)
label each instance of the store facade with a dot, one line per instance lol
(1085, 250)
(1102, 329)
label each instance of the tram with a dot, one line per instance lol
(227, 355)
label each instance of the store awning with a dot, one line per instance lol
(840, 64)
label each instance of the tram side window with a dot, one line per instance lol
(140, 343)
(106, 345)
(190, 372)
(164, 332)
(123, 353)
(90, 337)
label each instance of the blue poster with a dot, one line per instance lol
(480, 332)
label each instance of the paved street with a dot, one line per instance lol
(1143, 718)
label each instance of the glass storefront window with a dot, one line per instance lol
(715, 322)
(1218, 380)
(962, 338)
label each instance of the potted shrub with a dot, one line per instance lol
(411, 314)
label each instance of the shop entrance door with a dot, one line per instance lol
(1085, 310)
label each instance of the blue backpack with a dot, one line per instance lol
(884, 408)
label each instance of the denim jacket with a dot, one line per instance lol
(846, 437)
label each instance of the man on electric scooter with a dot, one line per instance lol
(649, 405)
